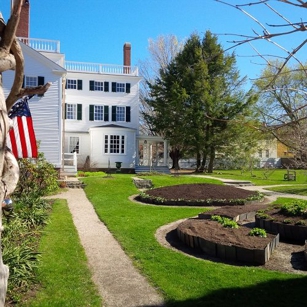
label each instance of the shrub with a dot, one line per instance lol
(258, 232)
(37, 178)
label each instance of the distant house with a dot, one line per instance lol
(89, 117)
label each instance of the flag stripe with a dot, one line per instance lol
(32, 139)
(21, 138)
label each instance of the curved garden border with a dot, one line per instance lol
(296, 233)
(229, 252)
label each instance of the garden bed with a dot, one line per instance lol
(290, 225)
(201, 194)
(227, 243)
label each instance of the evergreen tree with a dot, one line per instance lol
(194, 99)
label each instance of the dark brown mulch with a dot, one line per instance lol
(288, 257)
(200, 191)
(215, 232)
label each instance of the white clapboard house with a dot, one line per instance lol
(89, 117)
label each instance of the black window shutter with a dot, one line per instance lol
(106, 113)
(128, 115)
(91, 85)
(23, 81)
(66, 84)
(113, 113)
(91, 115)
(106, 86)
(128, 85)
(114, 87)
(40, 81)
(65, 110)
(79, 85)
(79, 111)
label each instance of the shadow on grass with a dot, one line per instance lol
(272, 293)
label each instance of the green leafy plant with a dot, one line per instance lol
(225, 221)
(258, 232)
(295, 208)
(37, 177)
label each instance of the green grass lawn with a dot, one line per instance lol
(184, 281)
(262, 176)
(63, 274)
(291, 189)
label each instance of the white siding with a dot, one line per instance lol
(87, 98)
(46, 111)
(100, 159)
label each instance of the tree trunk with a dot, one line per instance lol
(211, 160)
(11, 58)
(175, 156)
(198, 161)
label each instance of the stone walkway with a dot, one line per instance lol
(118, 282)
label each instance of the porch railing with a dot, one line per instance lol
(101, 68)
(70, 163)
(41, 44)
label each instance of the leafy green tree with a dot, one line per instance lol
(283, 107)
(195, 98)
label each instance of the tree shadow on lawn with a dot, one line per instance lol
(272, 293)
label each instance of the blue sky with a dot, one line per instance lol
(95, 30)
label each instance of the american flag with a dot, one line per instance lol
(21, 138)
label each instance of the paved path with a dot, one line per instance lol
(118, 282)
(271, 195)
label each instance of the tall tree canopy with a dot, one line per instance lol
(162, 51)
(283, 106)
(195, 97)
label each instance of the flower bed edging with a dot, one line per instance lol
(230, 252)
(287, 231)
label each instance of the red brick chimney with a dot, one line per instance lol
(24, 22)
(127, 58)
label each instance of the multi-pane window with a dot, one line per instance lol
(114, 144)
(98, 86)
(120, 114)
(71, 111)
(30, 81)
(74, 144)
(71, 84)
(98, 112)
(120, 87)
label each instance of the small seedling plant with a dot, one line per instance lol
(225, 221)
(258, 232)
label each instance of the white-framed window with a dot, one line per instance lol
(267, 153)
(260, 153)
(114, 144)
(74, 144)
(31, 81)
(73, 111)
(71, 84)
(120, 87)
(98, 86)
(98, 113)
(120, 114)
